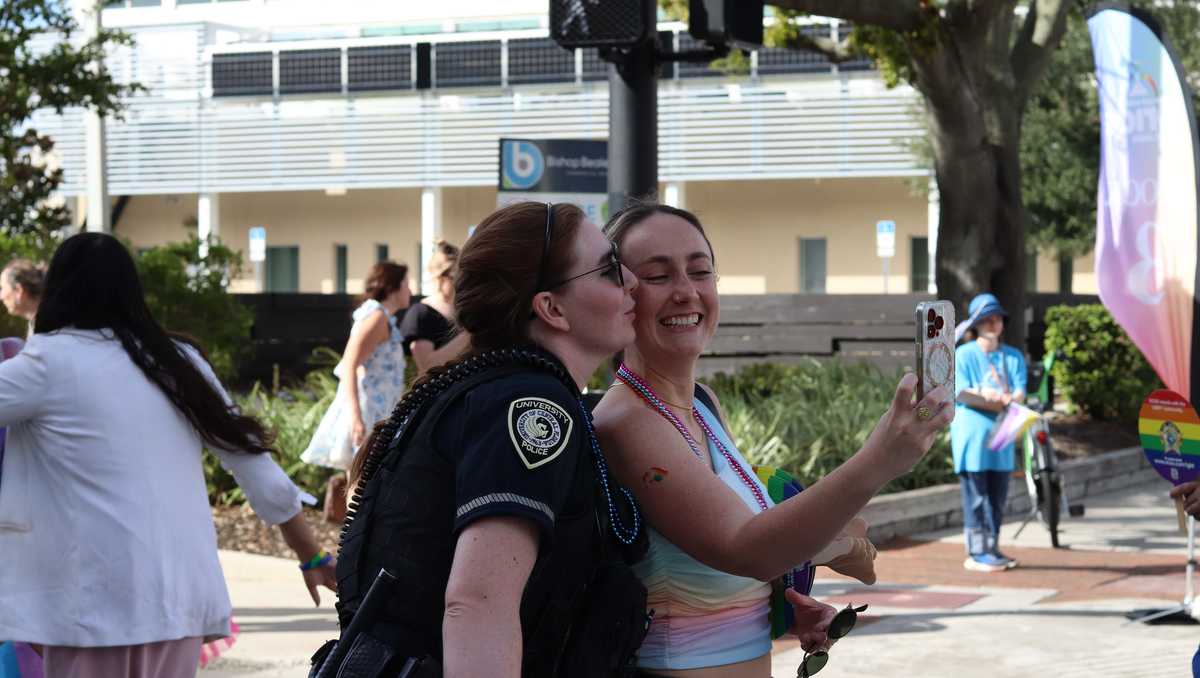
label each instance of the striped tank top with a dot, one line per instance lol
(702, 616)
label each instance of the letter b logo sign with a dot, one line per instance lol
(522, 165)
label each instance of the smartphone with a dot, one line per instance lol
(935, 347)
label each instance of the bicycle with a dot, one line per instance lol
(1042, 475)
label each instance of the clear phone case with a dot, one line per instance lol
(935, 347)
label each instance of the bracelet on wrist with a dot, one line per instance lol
(322, 559)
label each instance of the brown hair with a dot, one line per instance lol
(30, 276)
(444, 257)
(498, 270)
(384, 278)
(620, 224)
(494, 288)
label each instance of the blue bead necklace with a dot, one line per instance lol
(624, 534)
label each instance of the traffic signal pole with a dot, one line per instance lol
(633, 118)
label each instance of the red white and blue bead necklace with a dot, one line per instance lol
(643, 389)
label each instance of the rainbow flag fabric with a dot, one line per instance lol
(781, 486)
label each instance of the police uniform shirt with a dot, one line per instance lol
(516, 443)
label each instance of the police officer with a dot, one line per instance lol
(485, 497)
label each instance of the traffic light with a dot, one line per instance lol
(599, 23)
(737, 23)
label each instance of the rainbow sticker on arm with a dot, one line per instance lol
(1170, 434)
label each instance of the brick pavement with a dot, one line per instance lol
(1075, 574)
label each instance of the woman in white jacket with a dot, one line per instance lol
(111, 560)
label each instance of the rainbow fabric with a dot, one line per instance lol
(1017, 419)
(703, 617)
(210, 651)
(781, 486)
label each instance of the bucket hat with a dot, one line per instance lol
(980, 307)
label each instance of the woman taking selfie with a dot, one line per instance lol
(484, 495)
(716, 537)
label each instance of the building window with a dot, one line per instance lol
(283, 269)
(382, 67)
(339, 266)
(812, 265)
(310, 70)
(920, 264)
(467, 64)
(1031, 264)
(381, 252)
(241, 74)
(539, 60)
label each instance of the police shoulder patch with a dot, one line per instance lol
(539, 430)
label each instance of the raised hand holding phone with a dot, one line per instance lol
(935, 347)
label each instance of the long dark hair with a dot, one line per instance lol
(92, 284)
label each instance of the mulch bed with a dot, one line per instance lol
(1075, 436)
(238, 529)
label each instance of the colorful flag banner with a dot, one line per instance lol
(1146, 215)
(1017, 418)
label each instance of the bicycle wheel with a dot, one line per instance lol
(1050, 500)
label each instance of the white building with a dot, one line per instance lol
(304, 118)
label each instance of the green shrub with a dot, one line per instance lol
(188, 294)
(293, 414)
(810, 418)
(1100, 370)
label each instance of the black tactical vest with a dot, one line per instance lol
(403, 518)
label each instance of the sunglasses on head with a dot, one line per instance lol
(612, 269)
(841, 624)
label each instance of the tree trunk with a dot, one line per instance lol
(974, 121)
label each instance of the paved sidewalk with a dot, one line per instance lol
(1060, 614)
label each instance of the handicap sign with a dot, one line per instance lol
(1170, 434)
(258, 244)
(885, 239)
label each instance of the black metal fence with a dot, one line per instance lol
(780, 328)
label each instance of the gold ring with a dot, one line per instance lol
(924, 413)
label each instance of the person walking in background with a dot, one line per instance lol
(989, 377)
(21, 284)
(371, 375)
(111, 555)
(428, 326)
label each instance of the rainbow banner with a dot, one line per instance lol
(1146, 214)
(1170, 434)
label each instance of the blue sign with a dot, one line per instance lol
(554, 166)
(885, 227)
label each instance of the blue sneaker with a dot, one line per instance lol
(1009, 563)
(984, 562)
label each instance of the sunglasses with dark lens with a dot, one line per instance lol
(841, 624)
(611, 270)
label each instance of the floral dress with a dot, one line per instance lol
(379, 389)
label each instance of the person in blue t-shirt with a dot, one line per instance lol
(989, 375)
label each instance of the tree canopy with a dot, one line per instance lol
(38, 73)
